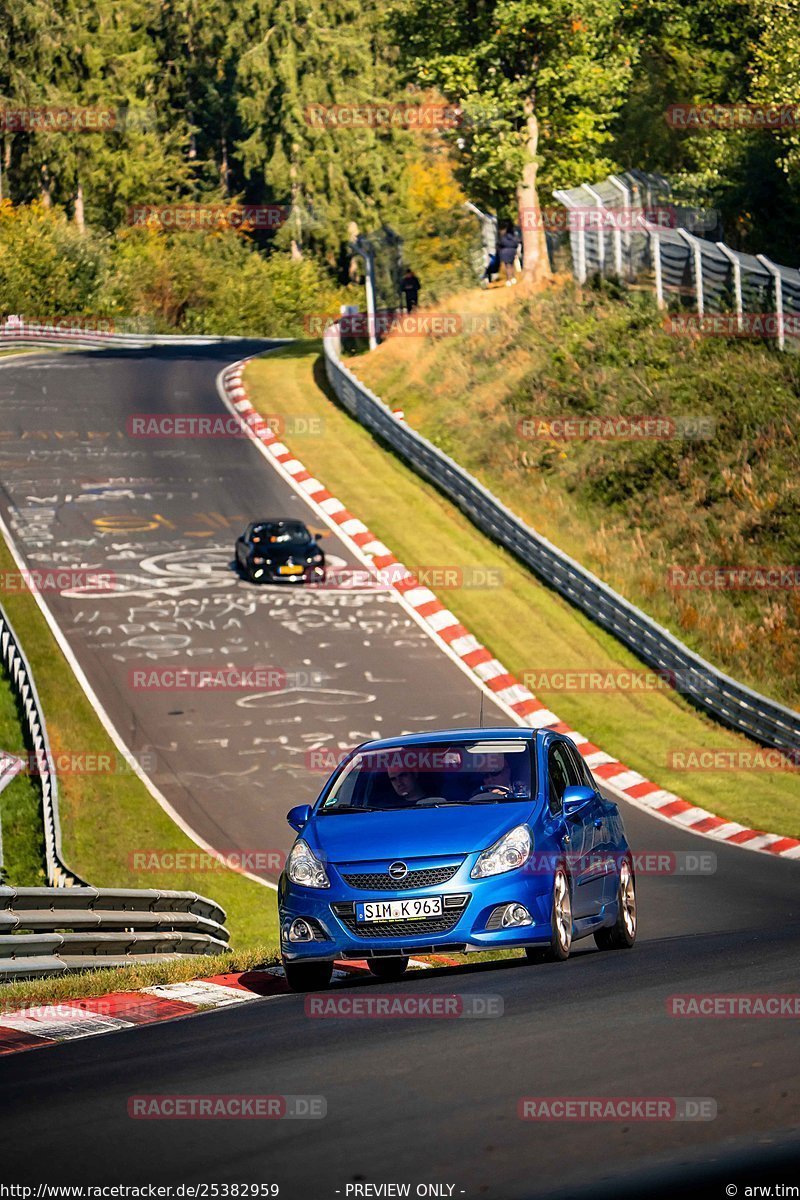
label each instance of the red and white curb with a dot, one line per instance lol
(36, 1026)
(448, 632)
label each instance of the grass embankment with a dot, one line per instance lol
(106, 816)
(65, 989)
(20, 805)
(525, 624)
(629, 510)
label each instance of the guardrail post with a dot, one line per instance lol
(776, 277)
(733, 259)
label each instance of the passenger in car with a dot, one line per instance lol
(406, 784)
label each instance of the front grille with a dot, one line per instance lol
(383, 882)
(377, 929)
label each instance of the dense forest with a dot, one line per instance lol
(205, 102)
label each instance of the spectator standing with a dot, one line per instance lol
(508, 247)
(409, 286)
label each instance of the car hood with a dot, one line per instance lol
(363, 837)
(280, 552)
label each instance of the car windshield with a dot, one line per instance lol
(280, 533)
(433, 775)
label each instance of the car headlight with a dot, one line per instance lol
(512, 851)
(303, 866)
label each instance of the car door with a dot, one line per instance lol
(588, 878)
(604, 831)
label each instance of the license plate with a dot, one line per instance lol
(289, 570)
(399, 910)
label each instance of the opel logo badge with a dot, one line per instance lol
(398, 870)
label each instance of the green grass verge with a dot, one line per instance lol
(525, 624)
(630, 509)
(85, 984)
(106, 816)
(20, 805)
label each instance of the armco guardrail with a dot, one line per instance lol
(46, 931)
(15, 662)
(18, 332)
(730, 702)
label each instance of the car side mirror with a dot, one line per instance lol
(318, 537)
(575, 799)
(299, 816)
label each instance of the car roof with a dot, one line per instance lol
(289, 522)
(493, 734)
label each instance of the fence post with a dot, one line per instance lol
(655, 242)
(616, 182)
(733, 258)
(365, 248)
(601, 232)
(697, 262)
(776, 276)
(578, 243)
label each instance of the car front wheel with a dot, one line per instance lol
(558, 948)
(307, 977)
(622, 934)
(388, 968)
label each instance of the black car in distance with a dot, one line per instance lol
(281, 550)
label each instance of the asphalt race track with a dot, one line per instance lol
(422, 1101)
(162, 515)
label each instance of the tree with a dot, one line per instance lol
(306, 56)
(91, 56)
(539, 83)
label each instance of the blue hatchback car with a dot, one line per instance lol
(459, 840)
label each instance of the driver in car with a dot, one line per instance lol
(497, 779)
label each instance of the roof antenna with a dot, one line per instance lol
(481, 716)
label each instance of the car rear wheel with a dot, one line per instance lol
(558, 948)
(388, 968)
(307, 977)
(622, 934)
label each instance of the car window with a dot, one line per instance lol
(561, 773)
(579, 767)
(435, 773)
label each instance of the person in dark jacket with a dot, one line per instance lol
(409, 286)
(507, 246)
